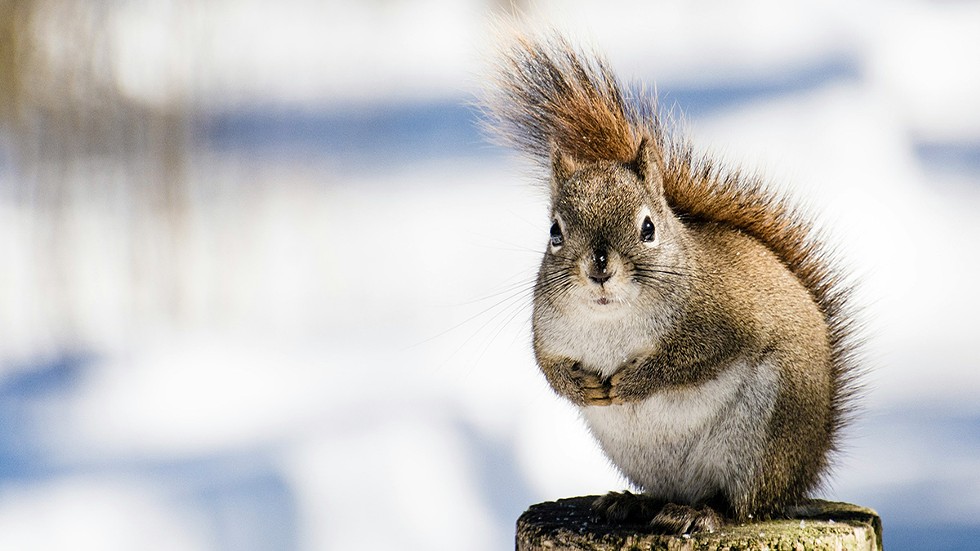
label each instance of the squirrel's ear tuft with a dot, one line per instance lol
(645, 164)
(562, 167)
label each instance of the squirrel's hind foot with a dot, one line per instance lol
(625, 508)
(661, 517)
(684, 519)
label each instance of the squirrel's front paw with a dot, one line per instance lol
(590, 389)
(569, 379)
(628, 383)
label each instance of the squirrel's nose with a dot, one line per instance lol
(599, 272)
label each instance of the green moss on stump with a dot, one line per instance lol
(821, 525)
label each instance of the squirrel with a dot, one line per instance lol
(695, 317)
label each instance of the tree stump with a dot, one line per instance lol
(821, 525)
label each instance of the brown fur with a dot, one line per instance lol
(758, 283)
(549, 96)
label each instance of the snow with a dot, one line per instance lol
(93, 513)
(328, 349)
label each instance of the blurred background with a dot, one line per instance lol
(265, 286)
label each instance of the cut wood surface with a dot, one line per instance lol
(821, 525)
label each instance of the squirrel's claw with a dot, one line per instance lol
(593, 391)
(625, 508)
(684, 519)
(662, 518)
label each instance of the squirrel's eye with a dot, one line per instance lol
(557, 239)
(647, 230)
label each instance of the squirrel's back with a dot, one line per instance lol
(549, 97)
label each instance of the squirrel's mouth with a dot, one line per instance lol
(603, 301)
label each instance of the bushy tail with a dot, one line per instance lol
(547, 94)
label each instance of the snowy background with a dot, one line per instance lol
(264, 286)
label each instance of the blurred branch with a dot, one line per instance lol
(61, 100)
(81, 145)
(13, 22)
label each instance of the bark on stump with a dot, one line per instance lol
(822, 525)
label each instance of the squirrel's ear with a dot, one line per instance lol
(562, 166)
(645, 163)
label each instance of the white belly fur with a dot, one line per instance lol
(601, 343)
(686, 445)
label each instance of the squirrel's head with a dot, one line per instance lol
(614, 242)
